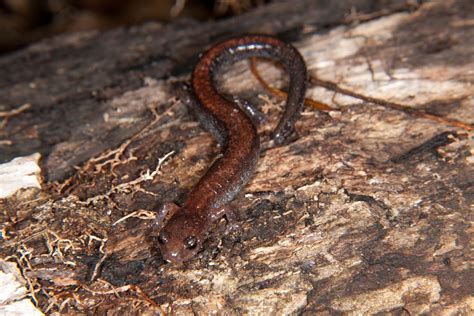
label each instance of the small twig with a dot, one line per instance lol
(24, 264)
(391, 105)
(141, 214)
(356, 17)
(95, 272)
(127, 186)
(16, 111)
(308, 102)
(5, 142)
(95, 238)
(7, 114)
(121, 289)
(113, 158)
(334, 87)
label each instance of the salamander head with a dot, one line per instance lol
(181, 238)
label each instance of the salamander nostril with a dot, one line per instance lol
(163, 238)
(191, 242)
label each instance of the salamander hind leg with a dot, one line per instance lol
(252, 112)
(284, 134)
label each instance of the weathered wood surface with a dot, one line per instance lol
(69, 78)
(367, 211)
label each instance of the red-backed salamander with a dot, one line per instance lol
(182, 234)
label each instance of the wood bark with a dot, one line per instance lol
(368, 210)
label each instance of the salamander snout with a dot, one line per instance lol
(178, 245)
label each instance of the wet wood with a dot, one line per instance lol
(366, 211)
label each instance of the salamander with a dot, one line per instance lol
(185, 227)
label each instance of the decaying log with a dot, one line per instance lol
(368, 210)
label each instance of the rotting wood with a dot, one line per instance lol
(367, 211)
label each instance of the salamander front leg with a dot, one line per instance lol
(232, 220)
(184, 92)
(230, 215)
(285, 134)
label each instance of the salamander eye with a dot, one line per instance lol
(163, 238)
(191, 242)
